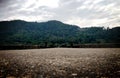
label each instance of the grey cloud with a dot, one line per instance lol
(87, 10)
(10, 8)
(3, 1)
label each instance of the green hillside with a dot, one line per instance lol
(54, 32)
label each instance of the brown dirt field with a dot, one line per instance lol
(60, 63)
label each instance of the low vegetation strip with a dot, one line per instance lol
(108, 45)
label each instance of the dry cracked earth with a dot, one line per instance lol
(60, 63)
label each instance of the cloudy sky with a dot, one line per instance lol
(83, 13)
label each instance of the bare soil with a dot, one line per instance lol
(60, 63)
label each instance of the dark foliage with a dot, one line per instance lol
(54, 33)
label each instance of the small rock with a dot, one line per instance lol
(74, 74)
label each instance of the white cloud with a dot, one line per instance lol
(84, 22)
(49, 3)
(97, 1)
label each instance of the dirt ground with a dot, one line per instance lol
(60, 63)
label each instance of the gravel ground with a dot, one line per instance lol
(60, 63)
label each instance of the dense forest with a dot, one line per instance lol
(54, 34)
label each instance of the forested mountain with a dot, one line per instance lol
(19, 32)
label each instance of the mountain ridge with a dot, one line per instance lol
(54, 32)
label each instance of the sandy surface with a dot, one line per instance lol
(60, 63)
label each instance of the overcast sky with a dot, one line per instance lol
(83, 13)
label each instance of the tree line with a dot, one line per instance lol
(54, 34)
